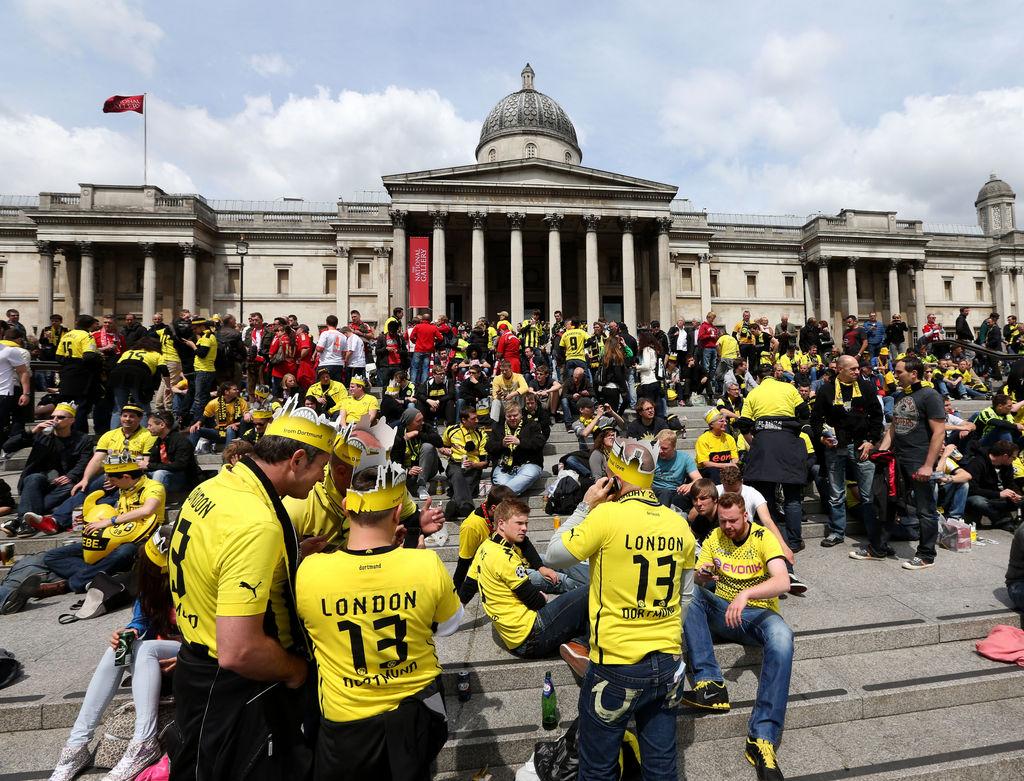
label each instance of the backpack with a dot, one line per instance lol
(566, 493)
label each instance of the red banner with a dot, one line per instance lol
(419, 272)
(115, 104)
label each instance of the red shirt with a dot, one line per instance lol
(507, 348)
(425, 336)
(105, 338)
(707, 335)
(289, 365)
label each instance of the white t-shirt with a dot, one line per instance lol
(681, 341)
(10, 358)
(332, 345)
(358, 357)
(751, 497)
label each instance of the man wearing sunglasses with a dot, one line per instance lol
(56, 462)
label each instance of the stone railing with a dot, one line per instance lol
(66, 199)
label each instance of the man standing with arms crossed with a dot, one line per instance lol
(641, 562)
(232, 564)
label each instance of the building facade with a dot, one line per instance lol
(527, 226)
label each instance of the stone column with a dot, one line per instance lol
(341, 283)
(851, 286)
(824, 296)
(1020, 292)
(399, 269)
(593, 275)
(86, 279)
(478, 269)
(666, 277)
(1004, 289)
(148, 283)
(920, 309)
(438, 285)
(894, 287)
(554, 222)
(516, 305)
(807, 267)
(383, 283)
(628, 274)
(189, 297)
(45, 250)
(704, 267)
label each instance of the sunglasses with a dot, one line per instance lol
(60, 417)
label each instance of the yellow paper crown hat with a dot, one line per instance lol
(387, 493)
(355, 444)
(262, 414)
(116, 463)
(303, 425)
(630, 468)
(67, 406)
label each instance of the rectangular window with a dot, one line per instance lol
(282, 281)
(714, 284)
(947, 289)
(790, 283)
(362, 275)
(234, 281)
(685, 279)
(979, 290)
(751, 285)
(330, 281)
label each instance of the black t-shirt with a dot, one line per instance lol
(911, 432)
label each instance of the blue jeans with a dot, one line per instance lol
(576, 577)
(709, 360)
(611, 695)
(838, 460)
(213, 434)
(927, 514)
(519, 481)
(420, 367)
(570, 367)
(996, 510)
(580, 466)
(121, 394)
(171, 481)
(36, 494)
(760, 627)
(1016, 592)
(62, 513)
(67, 562)
(560, 620)
(999, 435)
(204, 383)
(953, 498)
(792, 516)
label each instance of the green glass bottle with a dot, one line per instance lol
(548, 704)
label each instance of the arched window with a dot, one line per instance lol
(531, 150)
(568, 157)
(492, 155)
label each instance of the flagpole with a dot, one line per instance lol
(145, 139)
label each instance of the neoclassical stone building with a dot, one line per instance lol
(526, 226)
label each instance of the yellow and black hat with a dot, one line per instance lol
(630, 466)
(118, 463)
(304, 425)
(67, 406)
(133, 406)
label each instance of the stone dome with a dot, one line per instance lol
(994, 188)
(528, 112)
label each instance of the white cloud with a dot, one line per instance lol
(772, 138)
(115, 30)
(317, 146)
(269, 65)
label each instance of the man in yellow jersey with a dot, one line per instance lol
(371, 610)
(465, 447)
(574, 348)
(359, 402)
(81, 365)
(205, 345)
(641, 564)
(328, 393)
(748, 567)
(232, 568)
(530, 626)
(728, 352)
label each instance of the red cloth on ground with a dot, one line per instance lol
(1003, 644)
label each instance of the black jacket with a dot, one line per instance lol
(471, 392)
(809, 335)
(987, 479)
(964, 330)
(863, 423)
(132, 333)
(181, 458)
(427, 436)
(896, 333)
(63, 455)
(429, 390)
(529, 451)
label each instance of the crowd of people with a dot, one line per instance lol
(661, 548)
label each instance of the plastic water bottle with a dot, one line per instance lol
(548, 704)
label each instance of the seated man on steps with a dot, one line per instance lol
(465, 447)
(748, 567)
(992, 493)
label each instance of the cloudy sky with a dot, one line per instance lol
(759, 107)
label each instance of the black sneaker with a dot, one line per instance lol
(10, 528)
(761, 754)
(867, 553)
(798, 547)
(17, 598)
(708, 695)
(831, 541)
(796, 586)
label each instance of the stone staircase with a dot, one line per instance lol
(886, 683)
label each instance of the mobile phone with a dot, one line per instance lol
(614, 485)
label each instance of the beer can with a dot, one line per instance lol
(463, 686)
(77, 520)
(123, 652)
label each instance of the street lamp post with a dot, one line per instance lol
(241, 249)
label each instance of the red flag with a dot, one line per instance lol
(419, 272)
(115, 104)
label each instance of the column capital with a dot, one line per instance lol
(627, 223)
(479, 220)
(398, 218)
(807, 262)
(1005, 270)
(44, 248)
(591, 221)
(704, 257)
(852, 261)
(440, 219)
(84, 247)
(824, 259)
(554, 221)
(147, 248)
(515, 220)
(894, 264)
(917, 265)
(664, 224)
(187, 248)
(383, 252)
(341, 251)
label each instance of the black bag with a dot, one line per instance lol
(106, 594)
(567, 494)
(10, 668)
(559, 760)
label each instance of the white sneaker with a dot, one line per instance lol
(73, 760)
(423, 493)
(202, 446)
(139, 755)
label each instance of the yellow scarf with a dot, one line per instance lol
(839, 395)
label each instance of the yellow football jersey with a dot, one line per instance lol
(138, 444)
(574, 341)
(717, 450)
(499, 568)
(741, 566)
(472, 533)
(355, 408)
